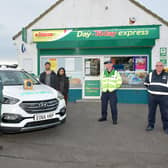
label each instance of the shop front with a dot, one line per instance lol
(82, 52)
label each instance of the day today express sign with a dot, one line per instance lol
(95, 34)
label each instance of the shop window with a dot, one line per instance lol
(92, 67)
(133, 69)
(72, 65)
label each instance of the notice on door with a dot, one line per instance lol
(92, 88)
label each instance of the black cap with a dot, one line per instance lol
(47, 63)
(107, 62)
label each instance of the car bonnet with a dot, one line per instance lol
(39, 92)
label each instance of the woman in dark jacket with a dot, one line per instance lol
(62, 83)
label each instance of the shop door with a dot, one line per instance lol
(92, 71)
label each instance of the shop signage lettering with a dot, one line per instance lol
(83, 34)
(105, 33)
(96, 34)
(39, 34)
(49, 35)
(133, 33)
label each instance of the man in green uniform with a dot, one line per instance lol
(110, 82)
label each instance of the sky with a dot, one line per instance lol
(15, 14)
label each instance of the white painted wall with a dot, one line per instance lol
(30, 53)
(93, 13)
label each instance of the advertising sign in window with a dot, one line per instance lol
(140, 63)
(92, 88)
(133, 79)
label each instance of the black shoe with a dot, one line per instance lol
(149, 128)
(102, 119)
(115, 123)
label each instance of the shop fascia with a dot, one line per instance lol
(139, 32)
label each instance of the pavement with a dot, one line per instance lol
(83, 142)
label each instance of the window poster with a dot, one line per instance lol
(133, 79)
(53, 62)
(140, 63)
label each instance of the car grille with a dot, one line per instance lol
(33, 107)
(41, 123)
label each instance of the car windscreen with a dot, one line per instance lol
(10, 78)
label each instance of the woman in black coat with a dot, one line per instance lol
(62, 83)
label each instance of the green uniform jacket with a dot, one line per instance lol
(110, 81)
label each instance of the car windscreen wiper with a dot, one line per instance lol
(12, 84)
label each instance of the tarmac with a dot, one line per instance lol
(83, 142)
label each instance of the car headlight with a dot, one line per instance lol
(11, 118)
(62, 111)
(9, 100)
(60, 95)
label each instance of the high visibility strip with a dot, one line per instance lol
(146, 83)
(159, 84)
(157, 93)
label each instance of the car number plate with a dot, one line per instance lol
(47, 116)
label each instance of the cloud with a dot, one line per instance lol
(7, 49)
(20, 12)
(159, 7)
(13, 16)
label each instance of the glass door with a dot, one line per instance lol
(92, 71)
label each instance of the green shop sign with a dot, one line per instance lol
(92, 88)
(103, 33)
(110, 34)
(163, 51)
(164, 61)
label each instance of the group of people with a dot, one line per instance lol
(156, 83)
(57, 81)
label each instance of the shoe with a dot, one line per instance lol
(166, 131)
(149, 128)
(102, 119)
(115, 123)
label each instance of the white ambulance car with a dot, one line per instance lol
(25, 109)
